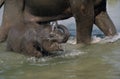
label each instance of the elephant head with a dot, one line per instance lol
(49, 39)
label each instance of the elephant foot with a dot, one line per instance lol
(104, 23)
(84, 40)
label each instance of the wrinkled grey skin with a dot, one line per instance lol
(86, 13)
(36, 40)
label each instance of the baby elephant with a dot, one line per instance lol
(35, 39)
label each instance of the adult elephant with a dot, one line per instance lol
(86, 12)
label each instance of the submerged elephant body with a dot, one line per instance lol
(35, 40)
(86, 13)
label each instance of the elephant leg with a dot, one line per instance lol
(102, 19)
(12, 14)
(83, 11)
(104, 23)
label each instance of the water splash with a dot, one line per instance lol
(36, 60)
(70, 50)
(106, 39)
(63, 54)
(96, 39)
(72, 53)
(72, 40)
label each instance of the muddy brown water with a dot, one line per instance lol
(97, 61)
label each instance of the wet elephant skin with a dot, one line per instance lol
(34, 39)
(86, 13)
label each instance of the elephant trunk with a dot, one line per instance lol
(65, 33)
(1, 3)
